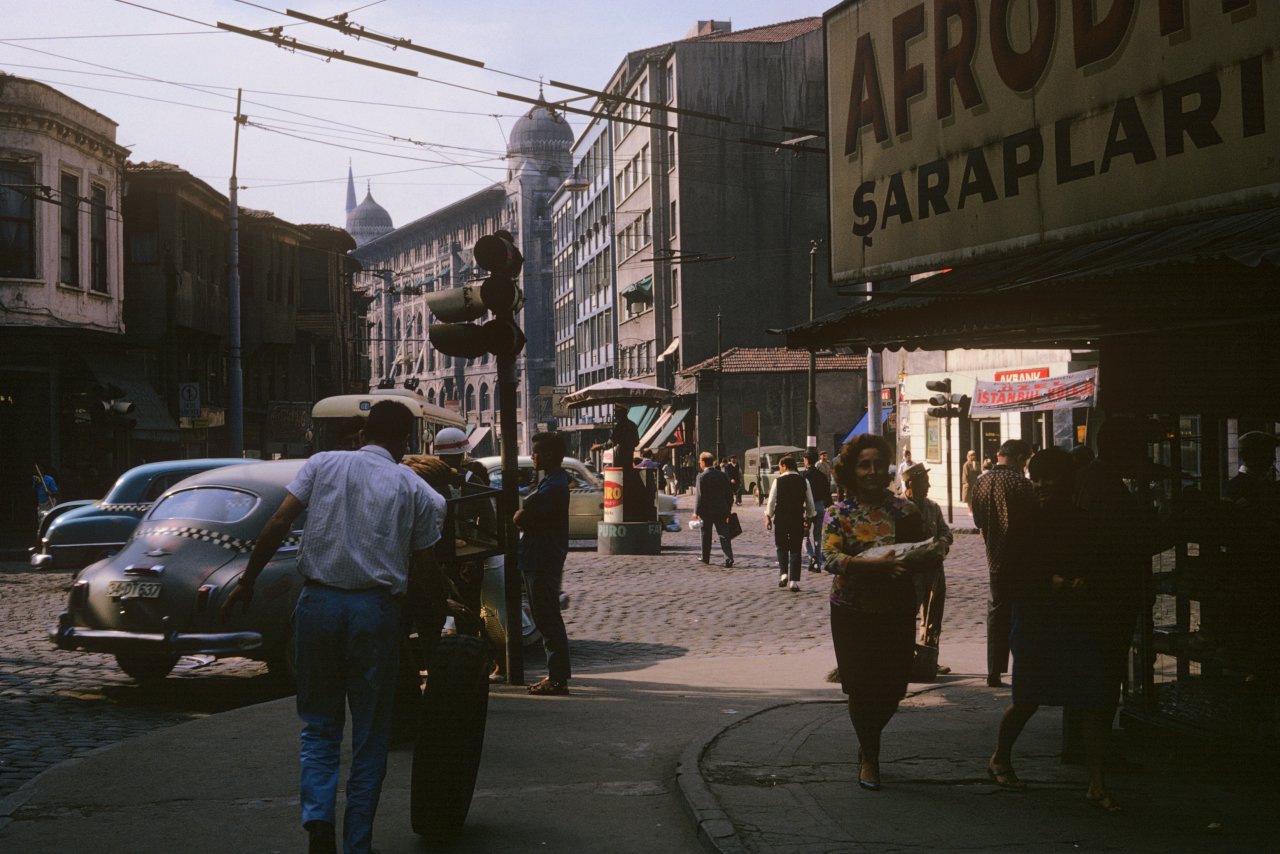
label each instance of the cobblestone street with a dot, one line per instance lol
(625, 611)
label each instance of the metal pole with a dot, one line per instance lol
(950, 503)
(719, 390)
(875, 383)
(510, 501)
(388, 323)
(235, 374)
(811, 412)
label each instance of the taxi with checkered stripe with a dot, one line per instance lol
(158, 597)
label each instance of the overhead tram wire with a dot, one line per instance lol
(202, 86)
(289, 43)
(340, 23)
(197, 88)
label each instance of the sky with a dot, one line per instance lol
(168, 76)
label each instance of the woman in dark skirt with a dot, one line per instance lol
(1065, 598)
(872, 599)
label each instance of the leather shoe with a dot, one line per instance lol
(728, 563)
(704, 560)
(995, 682)
(321, 838)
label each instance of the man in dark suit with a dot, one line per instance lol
(713, 504)
(734, 474)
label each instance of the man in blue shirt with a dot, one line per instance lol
(544, 544)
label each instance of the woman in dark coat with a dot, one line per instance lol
(1067, 598)
(872, 599)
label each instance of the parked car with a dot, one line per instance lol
(760, 467)
(159, 596)
(586, 495)
(74, 534)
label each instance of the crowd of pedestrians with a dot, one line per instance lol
(1066, 548)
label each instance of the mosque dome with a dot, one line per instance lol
(368, 221)
(541, 131)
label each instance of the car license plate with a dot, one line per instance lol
(134, 589)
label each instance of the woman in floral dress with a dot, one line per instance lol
(872, 598)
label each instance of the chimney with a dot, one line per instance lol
(706, 28)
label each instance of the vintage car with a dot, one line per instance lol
(159, 596)
(760, 467)
(76, 533)
(586, 495)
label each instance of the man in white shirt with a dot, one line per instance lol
(368, 516)
(789, 512)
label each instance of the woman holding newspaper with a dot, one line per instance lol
(871, 544)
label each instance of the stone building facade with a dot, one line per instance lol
(433, 253)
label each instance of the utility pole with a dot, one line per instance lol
(811, 412)
(719, 390)
(235, 390)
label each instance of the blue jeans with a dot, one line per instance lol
(813, 542)
(347, 652)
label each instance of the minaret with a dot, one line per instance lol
(351, 189)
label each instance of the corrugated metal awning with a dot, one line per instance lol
(1182, 276)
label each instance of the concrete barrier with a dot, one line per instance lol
(628, 538)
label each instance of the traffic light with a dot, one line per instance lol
(944, 404)
(114, 404)
(456, 335)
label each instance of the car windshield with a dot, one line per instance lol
(209, 504)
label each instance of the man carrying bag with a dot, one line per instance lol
(714, 506)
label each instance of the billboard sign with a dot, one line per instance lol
(964, 129)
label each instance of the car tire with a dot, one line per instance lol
(446, 756)
(146, 667)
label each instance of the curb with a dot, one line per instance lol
(715, 829)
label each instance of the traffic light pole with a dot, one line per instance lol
(950, 503)
(510, 501)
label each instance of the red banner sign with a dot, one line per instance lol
(1065, 392)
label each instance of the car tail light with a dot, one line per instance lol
(202, 597)
(79, 595)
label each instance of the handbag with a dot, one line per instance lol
(924, 666)
(734, 526)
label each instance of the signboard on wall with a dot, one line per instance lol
(1065, 392)
(964, 129)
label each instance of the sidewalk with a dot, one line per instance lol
(623, 764)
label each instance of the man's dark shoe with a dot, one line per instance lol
(322, 840)
(704, 560)
(546, 687)
(728, 563)
(995, 682)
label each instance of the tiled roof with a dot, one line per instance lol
(153, 166)
(780, 32)
(777, 360)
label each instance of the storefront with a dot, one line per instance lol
(1078, 196)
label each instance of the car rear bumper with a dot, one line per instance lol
(68, 636)
(70, 557)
